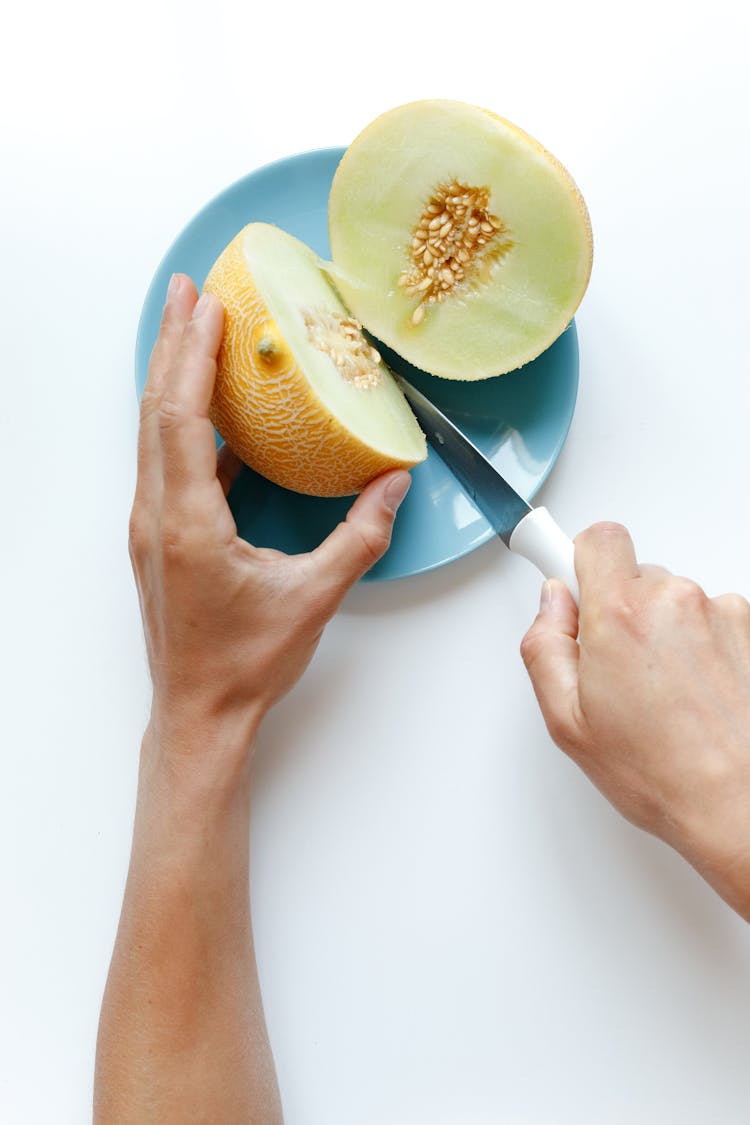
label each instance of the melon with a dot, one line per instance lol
(301, 395)
(457, 239)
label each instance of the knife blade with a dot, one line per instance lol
(530, 532)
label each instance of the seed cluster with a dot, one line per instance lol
(455, 240)
(341, 338)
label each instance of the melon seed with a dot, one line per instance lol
(341, 339)
(456, 239)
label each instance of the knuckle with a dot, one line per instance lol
(616, 612)
(171, 415)
(185, 538)
(734, 606)
(149, 399)
(374, 539)
(614, 607)
(684, 594)
(195, 337)
(531, 648)
(619, 605)
(604, 529)
(173, 541)
(559, 730)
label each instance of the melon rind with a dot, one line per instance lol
(294, 420)
(384, 180)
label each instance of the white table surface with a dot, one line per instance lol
(453, 927)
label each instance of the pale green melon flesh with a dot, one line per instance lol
(385, 179)
(287, 275)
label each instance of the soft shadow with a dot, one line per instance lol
(421, 589)
(284, 747)
(710, 928)
(673, 894)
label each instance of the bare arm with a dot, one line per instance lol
(229, 629)
(648, 690)
(182, 1034)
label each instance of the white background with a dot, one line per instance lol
(453, 927)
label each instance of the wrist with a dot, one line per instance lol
(729, 875)
(187, 833)
(195, 779)
(717, 845)
(199, 744)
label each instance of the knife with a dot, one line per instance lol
(527, 531)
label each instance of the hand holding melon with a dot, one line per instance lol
(456, 239)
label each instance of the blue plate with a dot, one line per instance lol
(520, 421)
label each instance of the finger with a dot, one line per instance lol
(734, 606)
(550, 652)
(604, 556)
(188, 445)
(228, 466)
(178, 307)
(181, 297)
(363, 538)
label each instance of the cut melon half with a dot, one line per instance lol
(301, 395)
(457, 239)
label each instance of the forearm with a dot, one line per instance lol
(717, 844)
(182, 1034)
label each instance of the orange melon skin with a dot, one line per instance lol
(266, 411)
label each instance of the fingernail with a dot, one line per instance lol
(396, 491)
(546, 598)
(201, 305)
(173, 288)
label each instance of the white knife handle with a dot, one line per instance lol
(538, 538)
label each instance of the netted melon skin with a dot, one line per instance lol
(267, 412)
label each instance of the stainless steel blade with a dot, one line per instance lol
(489, 491)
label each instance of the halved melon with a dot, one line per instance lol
(457, 239)
(301, 396)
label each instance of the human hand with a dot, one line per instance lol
(652, 701)
(229, 627)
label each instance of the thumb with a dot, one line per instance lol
(550, 652)
(364, 536)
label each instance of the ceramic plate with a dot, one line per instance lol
(520, 421)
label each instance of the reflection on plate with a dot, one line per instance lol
(520, 421)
